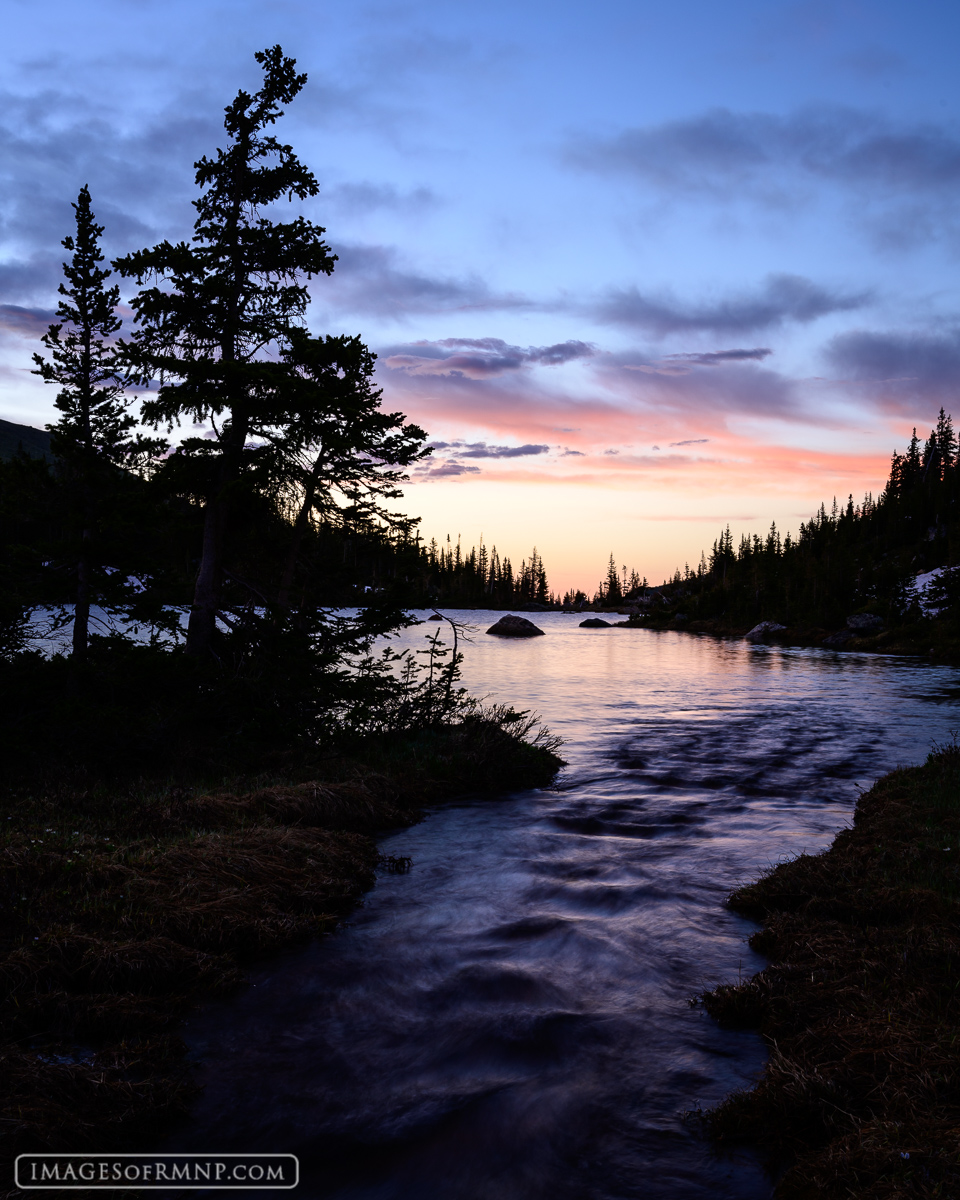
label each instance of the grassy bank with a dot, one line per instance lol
(861, 1003)
(125, 903)
(936, 641)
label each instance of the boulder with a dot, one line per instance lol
(594, 623)
(511, 626)
(836, 640)
(435, 617)
(865, 623)
(759, 632)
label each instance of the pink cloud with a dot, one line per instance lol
(722, 417)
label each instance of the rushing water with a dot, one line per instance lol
(511, 1020)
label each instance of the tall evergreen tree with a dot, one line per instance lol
(222, 306)
(946, 440)
(331, 442)
(931, 457)
(92, 438)
(610, 588)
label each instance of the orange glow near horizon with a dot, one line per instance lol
(648, 467)
(653, 522)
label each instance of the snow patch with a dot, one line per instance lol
(919, 588)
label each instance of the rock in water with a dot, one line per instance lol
(511, 626)
(595, 623)
(759, 632)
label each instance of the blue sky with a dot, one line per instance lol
(639, 269)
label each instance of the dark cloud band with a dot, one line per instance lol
(478, 358)
(780, 299)
(902, 369)
(29, 322)
(483, 450)
(712, 152)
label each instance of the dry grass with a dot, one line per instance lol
(107, 940)
(861, 1005)
(122, 906)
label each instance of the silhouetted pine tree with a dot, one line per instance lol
(221, 307)
(92, 439)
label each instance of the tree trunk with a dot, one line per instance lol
(206, 595)
(81, 610)
(299, 528)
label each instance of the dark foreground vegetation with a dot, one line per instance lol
(861, 1003)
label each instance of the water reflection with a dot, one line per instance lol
(511, 1019)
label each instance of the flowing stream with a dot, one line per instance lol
(511, 1019)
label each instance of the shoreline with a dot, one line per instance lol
(127, 904)
(860, 1005)
(931, 641)
(934, 641)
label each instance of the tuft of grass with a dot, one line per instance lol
(861, 1002)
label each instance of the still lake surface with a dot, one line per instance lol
(511, 1019)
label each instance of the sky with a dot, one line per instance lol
(640, 270)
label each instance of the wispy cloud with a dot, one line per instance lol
(53, 143)
(654, 385)
(374, 280)
(903, 370)
(364, 197)
(479, 358)
(30, 278)
(446, 470)
(895, 181)
(483, 450)
(780, 299)
(616, 401)
(28, 322)
(714, 358)
(719, 149)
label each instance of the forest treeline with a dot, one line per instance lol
(146, 550)
(847, 559)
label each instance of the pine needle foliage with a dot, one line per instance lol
(221, 309)
(92, 440)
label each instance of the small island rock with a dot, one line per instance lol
(759, 632)
(511, 626)
(594, 623)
